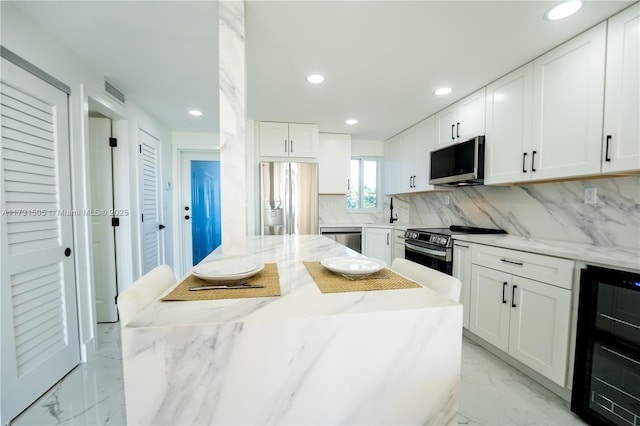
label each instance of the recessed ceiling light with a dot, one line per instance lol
(315, 78)
(195, 112)
(352, 121)
(443, 91)
(563, 10)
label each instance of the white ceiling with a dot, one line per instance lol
(381, 59)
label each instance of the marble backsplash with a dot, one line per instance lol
(553, 211)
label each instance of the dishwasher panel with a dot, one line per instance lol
(348, 236)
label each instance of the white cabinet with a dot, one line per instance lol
(621, 145)
(393, 177)
(544, 119)
(397, 235)
(407, 159)
(334, 159)
(376, 243)
(508, 127)
(288, 140)
(461, 121)
(568, 97)
(462, 271)
(513, 309)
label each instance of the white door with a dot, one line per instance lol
(508, 132)
(490, 305)
(186, 206)
(568, 99)
(539, 328)
(377, 244)
(622, 93)
(150, 202)
(40, 342)
(104, 248)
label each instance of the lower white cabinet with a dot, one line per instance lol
(376, 243)
(528, 319)
(462, 271)
(398, 243)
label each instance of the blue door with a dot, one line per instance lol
(206, 230)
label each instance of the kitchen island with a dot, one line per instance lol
(370, 357)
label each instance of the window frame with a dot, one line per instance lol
(379, 195)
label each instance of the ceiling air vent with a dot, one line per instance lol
(114, 91)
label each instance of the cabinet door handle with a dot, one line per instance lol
(504, 287)
(524, 161)
(348, 184)
(452, 137)
(285, 146)
(291, 146)
(458, 130)
(387, 238)
(513, 262)
(513, 295)
(606, 150)
(533, 158)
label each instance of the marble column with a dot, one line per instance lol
(233, 112)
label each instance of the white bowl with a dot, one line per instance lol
(227, 270)
(353, 266)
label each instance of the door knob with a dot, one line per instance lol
(186, 208)
(187, 217)
(161, 226)
(67, 252)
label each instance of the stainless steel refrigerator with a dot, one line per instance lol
(289, 198)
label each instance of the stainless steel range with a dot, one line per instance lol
(433, 247)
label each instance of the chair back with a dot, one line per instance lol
(144, 291)
(439, 281)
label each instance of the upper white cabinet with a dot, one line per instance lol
(508, 127)
(621, 145)
(407, 159)
(288, 140)
(334, 160)
(461, 121)
(568, 97)
(544, 119)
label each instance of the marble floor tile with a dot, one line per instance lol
(91, 394)
(492, 392)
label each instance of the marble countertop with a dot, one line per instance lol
(395, 225)
(620, 257)
(300, 297)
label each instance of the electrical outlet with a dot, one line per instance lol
(590, 195)
(447, 199)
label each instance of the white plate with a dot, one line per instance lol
(227, 270)
(353, 266)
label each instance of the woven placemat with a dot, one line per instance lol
(268, 277)
(329, 282)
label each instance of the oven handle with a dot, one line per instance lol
(435, 253)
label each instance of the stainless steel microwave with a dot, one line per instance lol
(458, 164)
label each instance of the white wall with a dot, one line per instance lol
(24, 38)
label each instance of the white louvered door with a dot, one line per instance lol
(152, 244)
(38, 295)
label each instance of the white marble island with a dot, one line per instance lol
(375, 357)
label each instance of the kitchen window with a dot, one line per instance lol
(364, 184)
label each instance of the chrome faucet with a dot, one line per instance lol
(391, 218)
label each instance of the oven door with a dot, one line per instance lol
(433, 257)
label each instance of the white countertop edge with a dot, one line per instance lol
(607, 256)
